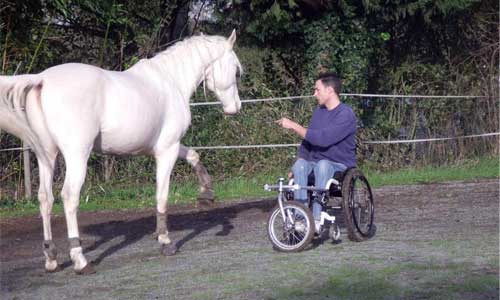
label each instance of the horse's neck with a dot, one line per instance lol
(185, 66)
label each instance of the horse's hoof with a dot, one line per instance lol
(206, 199)
(205, 203)
(168, 249)
(55, 270)
(87, 270)
(207, 195)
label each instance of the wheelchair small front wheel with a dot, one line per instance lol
(358, 206)
(335, 233)
(294, 231)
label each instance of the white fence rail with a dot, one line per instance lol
(229, 147)
(342, 95)
(347, 95)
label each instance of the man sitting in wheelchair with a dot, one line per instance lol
(328, 144)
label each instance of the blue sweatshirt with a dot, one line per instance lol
(331, 135)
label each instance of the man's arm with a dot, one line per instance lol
(289, 124)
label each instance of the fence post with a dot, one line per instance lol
(108, 167)
(27, 172)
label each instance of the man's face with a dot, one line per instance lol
(321, 92)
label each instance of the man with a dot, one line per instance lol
(328, 143)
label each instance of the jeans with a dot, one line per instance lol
(323, 171)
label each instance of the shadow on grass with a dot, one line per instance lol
(195, 222)
(403, 281)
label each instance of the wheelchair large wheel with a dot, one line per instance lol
(358, 207)
(295, 232)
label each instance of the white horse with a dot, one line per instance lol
(77, 108)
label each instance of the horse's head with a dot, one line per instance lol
(221, 78)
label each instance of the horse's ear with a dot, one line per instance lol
(232, 38)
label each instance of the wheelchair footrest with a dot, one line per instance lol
(326, 217)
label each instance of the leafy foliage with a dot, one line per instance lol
(391, 46)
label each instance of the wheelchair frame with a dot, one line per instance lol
(291, 225)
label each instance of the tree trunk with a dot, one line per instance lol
(108, 168)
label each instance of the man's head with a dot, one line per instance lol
(327, 88)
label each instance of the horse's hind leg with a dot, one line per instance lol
(76, 169)
(46, 199)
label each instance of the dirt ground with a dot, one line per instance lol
(434, 241)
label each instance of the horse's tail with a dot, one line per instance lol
(15, 94)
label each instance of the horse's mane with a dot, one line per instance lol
(207, 48)
(194, 41)
(214, 45)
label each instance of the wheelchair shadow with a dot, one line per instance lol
(196, 222)
(325, 236)
(322, 239)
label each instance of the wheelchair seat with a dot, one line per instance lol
(339, 176)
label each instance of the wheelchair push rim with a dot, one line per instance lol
(294, 232)
(359, 208)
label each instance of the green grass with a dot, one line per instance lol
(471, 169)
(102, 197)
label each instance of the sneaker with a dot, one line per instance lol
(320, 231)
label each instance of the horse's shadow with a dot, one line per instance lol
(195, 222)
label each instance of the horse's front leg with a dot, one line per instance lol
(76, 169)
(206, 196)
(165, 161)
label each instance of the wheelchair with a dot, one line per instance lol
(291, 225)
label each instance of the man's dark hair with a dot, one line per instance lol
(332, 80)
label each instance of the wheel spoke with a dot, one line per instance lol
(361, 205)
(357, 199)
(294, 232)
